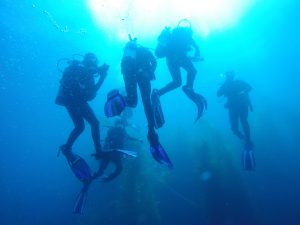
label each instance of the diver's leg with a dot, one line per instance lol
(245, 124)
(198, 99)
(91, 118)
(234, 119)
(174, 69)
(145, 90)
(130, 82)
(102, 167)
(119, 167)
(189, 67)
(77, 118)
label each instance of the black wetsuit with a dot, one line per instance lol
(238, 104)
(110, 157)
(77, 88)
(114, 140)
(138, 70)
(179, 43)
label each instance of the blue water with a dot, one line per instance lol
(207, 185)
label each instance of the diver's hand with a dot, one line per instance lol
(102, 70)
(197, 58)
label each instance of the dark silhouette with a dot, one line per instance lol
(138, 66)
(114, 144)
(77, 87)
(175, 45)
(238, 105)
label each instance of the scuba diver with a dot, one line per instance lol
(77, 87)
(175, 45)
(238, 105)
(138, 66)
(114, 150)
(114, 142)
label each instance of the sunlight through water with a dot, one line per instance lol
(147, 18)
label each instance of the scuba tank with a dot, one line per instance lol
(184, 23)
(178, 37)
(69, 62)
(182, 36)
(64, 90)
(163, 39)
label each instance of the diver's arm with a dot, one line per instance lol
(243, 86)
(103, 73)
(128, 137)
(220, 91)
(152, 61)
(196, 47)
(248, 88)
(250, 106)
(100, 82)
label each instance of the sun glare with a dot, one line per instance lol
(146, 18)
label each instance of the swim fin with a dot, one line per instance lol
(115, 104)
(248, 159)
(201, 106)
(81, 200)
(157, 151)
(198, 99)
(82, 171)
(159, 119)
(79, 167)
(160, 155)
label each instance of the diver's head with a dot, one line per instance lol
(185, 26)
(90, 60)
(229, 75)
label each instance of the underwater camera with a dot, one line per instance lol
(102, 69)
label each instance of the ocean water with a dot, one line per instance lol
(207, 185)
